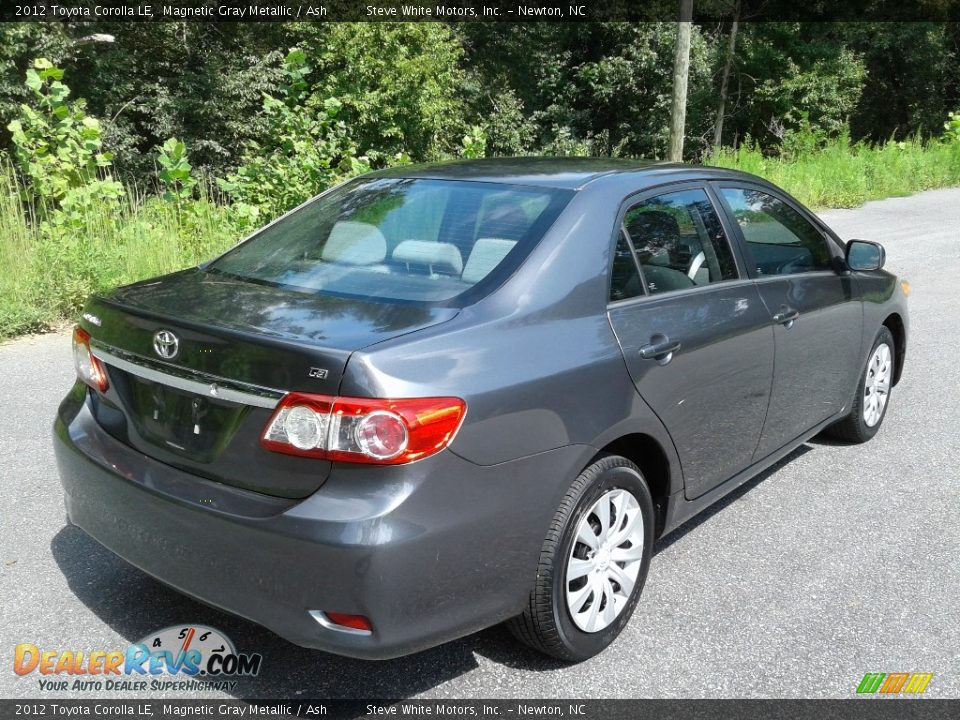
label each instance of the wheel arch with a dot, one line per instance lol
(894, 323)
(648, 454)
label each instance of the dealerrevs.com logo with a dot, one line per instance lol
(182, 657)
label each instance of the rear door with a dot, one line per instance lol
(694, 332)
(816, 312)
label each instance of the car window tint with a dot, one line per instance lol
(779, 239)
(625, 280)
(679, 241)
(398, 238)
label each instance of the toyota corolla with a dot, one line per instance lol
(437, 398)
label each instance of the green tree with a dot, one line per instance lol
(309, 148)
(200, 82)
(913, 77)
(399, 84)
(20, 43)
(603, 88)
(788, 75)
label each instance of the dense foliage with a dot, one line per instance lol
(131, 149)
(416, 88)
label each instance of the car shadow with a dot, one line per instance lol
(828, 440)
(134, 604)
(718, 507)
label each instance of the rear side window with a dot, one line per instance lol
(399, 239)
(679, 242)
(625, 282)
(779, 239)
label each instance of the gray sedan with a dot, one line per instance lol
(437, 398)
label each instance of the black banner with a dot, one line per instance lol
(471, 10)
(854, 709)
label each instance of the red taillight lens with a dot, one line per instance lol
(381, 435)
(361, 430)
(89, 369)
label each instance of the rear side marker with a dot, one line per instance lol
(342, 622)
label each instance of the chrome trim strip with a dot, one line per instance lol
(321, 618)
(189, 380)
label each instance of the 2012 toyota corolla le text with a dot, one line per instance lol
(437, 398)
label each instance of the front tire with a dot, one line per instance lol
(593, 563)
(873, 393)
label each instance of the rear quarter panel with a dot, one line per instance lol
(536, 360)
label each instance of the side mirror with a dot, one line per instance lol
(865, 255)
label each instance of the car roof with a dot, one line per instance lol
(571, 173)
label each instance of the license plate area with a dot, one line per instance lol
(182, 422)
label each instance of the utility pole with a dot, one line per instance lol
(681, 69)
(725, 81)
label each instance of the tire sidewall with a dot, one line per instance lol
(866, 431)
(623, 476)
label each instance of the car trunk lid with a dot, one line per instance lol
(239, 346)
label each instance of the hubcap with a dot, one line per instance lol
(605, 561)
(876, 388)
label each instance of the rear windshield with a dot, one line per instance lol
(399, 239)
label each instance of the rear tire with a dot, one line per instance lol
(873, 393)
(583, 596)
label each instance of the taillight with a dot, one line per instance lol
(362, 430)
(89, 369)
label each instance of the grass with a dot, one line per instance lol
(841, 175)
(47, 271)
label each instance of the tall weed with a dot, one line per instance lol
(841, 174)
(47, 270)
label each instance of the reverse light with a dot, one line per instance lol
(305, 428)
(363, 430)
(89, 369)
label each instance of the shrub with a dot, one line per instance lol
(399, 84)
(952, 127)
(474, 143)
(174, 172)
(56, 145)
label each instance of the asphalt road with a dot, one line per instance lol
(840, 561)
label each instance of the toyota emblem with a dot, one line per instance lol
(166, 344)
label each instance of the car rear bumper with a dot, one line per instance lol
(428, 552)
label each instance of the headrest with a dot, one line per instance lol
(355, 243)
(504, 220)
(487, 253)
(437, 256)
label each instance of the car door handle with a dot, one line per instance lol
(661, 350)
(786, 316)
